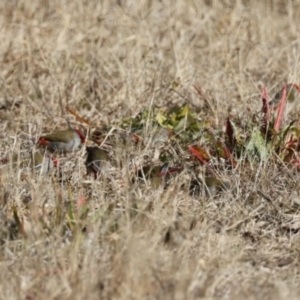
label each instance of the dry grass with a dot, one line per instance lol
(109, 61)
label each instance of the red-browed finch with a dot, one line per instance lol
(43, 163)
(62, 141)
(37, 161)
(97, 161)
(157, 175)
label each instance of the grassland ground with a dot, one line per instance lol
(65, 235)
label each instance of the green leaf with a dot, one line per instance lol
(257, 146)
(161, 118)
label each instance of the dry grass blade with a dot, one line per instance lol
(205, 98)
(78, 117)
(18, 221)
(270, 200)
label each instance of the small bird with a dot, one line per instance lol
(293, 98)
(43, 163)
(209, 184)
(37, 161)
(157, 175)
(97, 161)
(62, 141)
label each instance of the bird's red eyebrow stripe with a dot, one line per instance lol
(81, 135)
(43, 141)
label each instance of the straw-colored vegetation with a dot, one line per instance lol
(186, 77)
